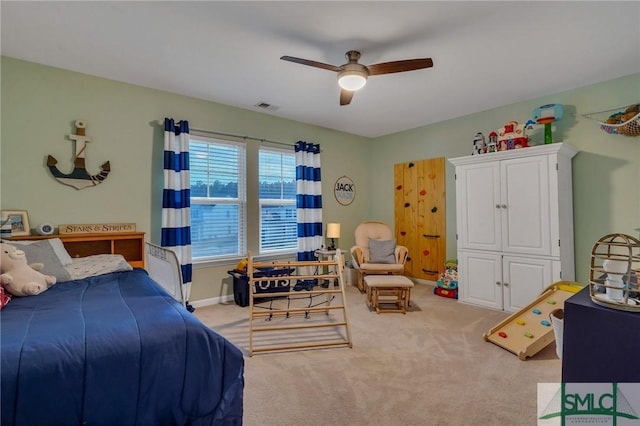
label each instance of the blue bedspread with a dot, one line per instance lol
(115, 350)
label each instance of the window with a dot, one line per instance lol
(219, 192)
(218, 198)
(277, 196)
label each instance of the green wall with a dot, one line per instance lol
(606, 171)
(40, 104)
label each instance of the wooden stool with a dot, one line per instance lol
(395, 289)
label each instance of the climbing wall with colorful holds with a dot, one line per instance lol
(420, 215)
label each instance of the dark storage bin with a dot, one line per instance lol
(241, 283)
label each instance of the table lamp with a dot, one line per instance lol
(333, 232)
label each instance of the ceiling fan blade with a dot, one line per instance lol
(399, 66)
(311, 63)
(346, 96)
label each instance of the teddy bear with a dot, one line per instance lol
(19, 278)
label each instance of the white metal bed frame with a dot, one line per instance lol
(164, 268)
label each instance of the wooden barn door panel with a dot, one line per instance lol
(420, 215)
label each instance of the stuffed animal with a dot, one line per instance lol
(19, 278)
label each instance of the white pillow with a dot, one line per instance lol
(97, 264)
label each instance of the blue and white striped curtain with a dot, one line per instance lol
(176, 198)
(308, 199)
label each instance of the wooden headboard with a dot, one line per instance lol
(130, 245)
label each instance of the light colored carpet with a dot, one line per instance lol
(428, 367)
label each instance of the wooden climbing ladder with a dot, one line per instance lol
(303, 317)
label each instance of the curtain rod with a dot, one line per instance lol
(232, 135)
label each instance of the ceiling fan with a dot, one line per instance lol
(352, 76)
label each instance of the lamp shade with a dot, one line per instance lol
(333, 230)
(352, 82)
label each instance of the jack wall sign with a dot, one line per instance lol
(344, 191)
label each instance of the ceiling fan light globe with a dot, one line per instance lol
(351, 80)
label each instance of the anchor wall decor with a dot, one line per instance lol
(79, 178)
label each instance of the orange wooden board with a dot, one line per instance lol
(419, 205)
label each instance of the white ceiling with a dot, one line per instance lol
(485, 54)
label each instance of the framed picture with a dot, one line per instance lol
(19, 221)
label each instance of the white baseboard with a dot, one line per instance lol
(425, 282)
(212, 301)
(229, 297)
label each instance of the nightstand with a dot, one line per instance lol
(326, 254)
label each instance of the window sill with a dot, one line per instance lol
(233, 261)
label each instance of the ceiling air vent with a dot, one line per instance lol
(264, 105)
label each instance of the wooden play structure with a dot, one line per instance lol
(303, 316)
(528, 331)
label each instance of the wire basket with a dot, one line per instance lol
(628, 127)
(615, 268)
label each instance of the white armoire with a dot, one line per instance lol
(514, 224)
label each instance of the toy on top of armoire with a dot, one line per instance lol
(512, 136)
(479, 144)
(447, 284)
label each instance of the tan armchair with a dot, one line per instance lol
(383, 258)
